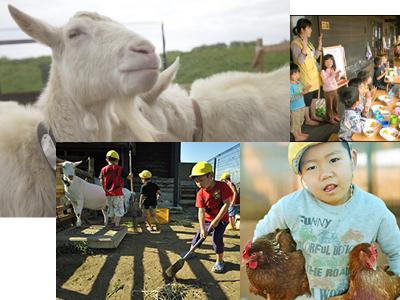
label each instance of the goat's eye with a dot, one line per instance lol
(73, 34)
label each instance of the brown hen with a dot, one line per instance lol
(367, 281)
(274, 268)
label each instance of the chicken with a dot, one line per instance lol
(367, 281)
(274, 268)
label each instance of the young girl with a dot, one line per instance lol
(352, 121)
(331, 215)
(329, 76)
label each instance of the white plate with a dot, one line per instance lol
(371, 123)
(384, 98)
(397, 104)
(371, 127)
(389, 133)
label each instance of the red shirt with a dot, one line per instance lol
(111, 176)
(211, 200)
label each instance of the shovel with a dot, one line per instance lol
(172, 270)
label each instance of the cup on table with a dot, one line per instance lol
(385, 123)
(393, 119)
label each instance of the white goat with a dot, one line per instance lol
(104, 85)
(83, 194)
(27, 181)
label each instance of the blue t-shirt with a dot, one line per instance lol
(326, 234)
(295, 93)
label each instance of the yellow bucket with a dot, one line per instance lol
(162, 215)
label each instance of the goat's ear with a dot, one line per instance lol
(163, 82)
(35, 28)
(77, 163)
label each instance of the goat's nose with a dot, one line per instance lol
(145, 48)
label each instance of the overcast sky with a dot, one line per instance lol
(187, 23)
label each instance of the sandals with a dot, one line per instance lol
(218, 267)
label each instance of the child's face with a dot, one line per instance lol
(384, 59)
(328, 63)
(204, 181)
(295, 76)
(369, 81)
(327, 170)
(361, 89)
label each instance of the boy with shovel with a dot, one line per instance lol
(212, 201)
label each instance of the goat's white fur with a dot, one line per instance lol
(88, 98)
(27, 183)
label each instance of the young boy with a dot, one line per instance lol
(380, 71)
(234, 206)
(149, 196)
(298, 109)
(352, 121)
(111, 178)
(212, 200)
(331, 215)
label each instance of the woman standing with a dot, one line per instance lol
(305, 56)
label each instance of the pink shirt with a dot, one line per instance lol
(329, 80)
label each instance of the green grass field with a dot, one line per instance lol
(25, 75)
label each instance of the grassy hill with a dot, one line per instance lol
(25, 75)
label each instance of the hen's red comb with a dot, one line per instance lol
(245, 254)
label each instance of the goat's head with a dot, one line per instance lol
(68, 171)
(95, 57)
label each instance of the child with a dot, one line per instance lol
(111, 178)
(380, 71)
(352, 121)
(366, 80)
(234, 206)
(212, 200)
(365, 97)
(329, 76)
(330, 215)
(149, 196)
(298, 109)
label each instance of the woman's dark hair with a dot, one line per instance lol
(294, 68)
(349, 96)
(355, 82)
(363, 75)
(326, 57)
(302, 23)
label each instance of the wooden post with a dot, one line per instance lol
(165, 62)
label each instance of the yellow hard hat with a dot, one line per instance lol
(295, 153)
(113, 154)
(145, 174)
(225, 176)
(201, 168)
(297, 149)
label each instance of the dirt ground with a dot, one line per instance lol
(135, 269)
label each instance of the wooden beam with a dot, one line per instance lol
(11, 42)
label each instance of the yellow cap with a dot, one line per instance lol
(225, 176)
(113, 154)
(145, 174)
(201, 168)
(295, 153)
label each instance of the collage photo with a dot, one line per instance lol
(179, 150)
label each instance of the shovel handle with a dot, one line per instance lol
(198, 242)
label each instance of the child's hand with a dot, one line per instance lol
(214, 224)
(203, 233)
